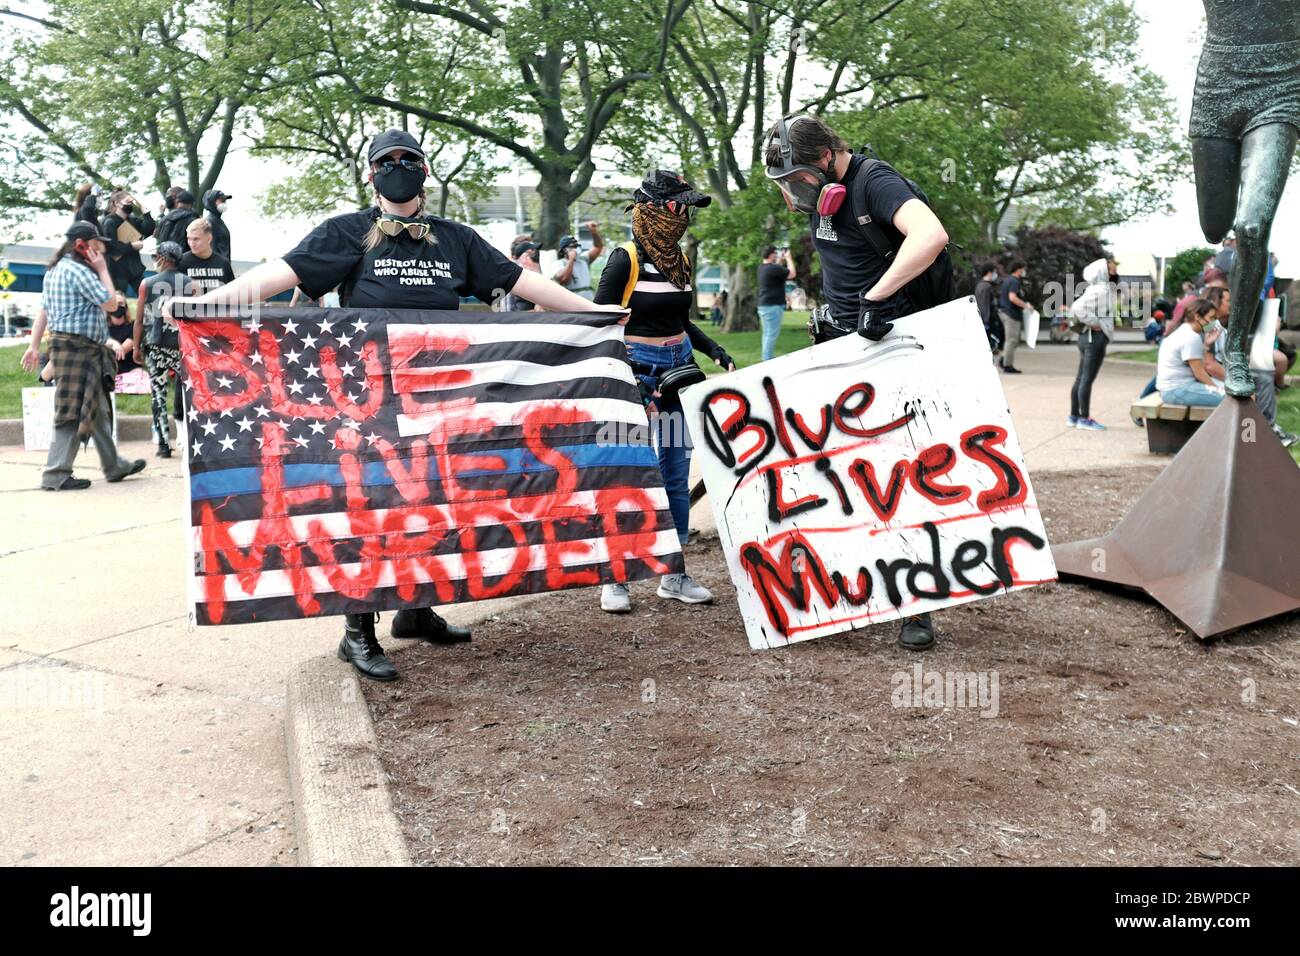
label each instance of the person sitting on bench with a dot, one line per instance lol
(1181, 377)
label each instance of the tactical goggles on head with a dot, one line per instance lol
(680, 209)
(393, 227)
(675, 207)
(823, 198)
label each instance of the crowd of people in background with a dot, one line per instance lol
(1190, 367)
(192, 257)
(95, 343)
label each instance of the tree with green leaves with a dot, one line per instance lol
(1061, 122)
(320, 121)
(545, 85)
(160, 83)
(810, 55)
(1037, 105)
(1185, 267)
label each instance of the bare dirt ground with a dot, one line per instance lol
(1119, 738)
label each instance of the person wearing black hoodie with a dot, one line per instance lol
(176, 220)
(214, 201)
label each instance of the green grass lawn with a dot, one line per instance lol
(746, 348)
(14, 378)
(1288, 415)
(1146, 355)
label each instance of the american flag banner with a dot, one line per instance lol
(352, 460)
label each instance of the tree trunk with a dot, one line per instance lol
(691, 246)
(742, 300)
(553, 188)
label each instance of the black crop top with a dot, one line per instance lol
(658, 307)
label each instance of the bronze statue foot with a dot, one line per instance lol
(1238, 382)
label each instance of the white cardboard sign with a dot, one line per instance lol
(856, 482)
(38, 419)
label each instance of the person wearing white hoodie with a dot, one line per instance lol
(1095, 308)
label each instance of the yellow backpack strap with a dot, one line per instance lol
(631, 249)
(633, 272)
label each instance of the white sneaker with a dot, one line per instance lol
(682, 587)
(615, 598)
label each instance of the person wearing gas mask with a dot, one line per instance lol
(866, 266)
(344, 252)
(214, 201)
(651, 277)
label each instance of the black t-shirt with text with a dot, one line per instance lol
(850, 265)
(771, 283)
(207, 274)
(400, 272)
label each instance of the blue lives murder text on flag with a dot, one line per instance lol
(345, 460)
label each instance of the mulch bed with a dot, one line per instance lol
(1119, 737)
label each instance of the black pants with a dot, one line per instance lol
(1092, 349)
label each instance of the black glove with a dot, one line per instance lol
(874, 318)
(723, 359)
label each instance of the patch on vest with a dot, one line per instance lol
(825, 230)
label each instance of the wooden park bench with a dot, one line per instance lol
(1168, 426)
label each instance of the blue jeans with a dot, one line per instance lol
(770, 317)
(672, 444)
(1195, 393)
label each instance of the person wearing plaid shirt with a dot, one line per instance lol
(78, 294)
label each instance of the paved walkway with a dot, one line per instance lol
(127, 739)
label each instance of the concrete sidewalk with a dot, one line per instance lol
(127, 739)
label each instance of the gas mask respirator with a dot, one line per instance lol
(824, 197)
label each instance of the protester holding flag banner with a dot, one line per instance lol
(395, 256)
(882, 249)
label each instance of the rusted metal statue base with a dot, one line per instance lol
(1216, 538)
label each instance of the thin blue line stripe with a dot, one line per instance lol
(247, 481)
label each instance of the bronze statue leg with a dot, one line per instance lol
(1217, 163)
(1265, 161)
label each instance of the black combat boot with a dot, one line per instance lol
(422, 624)
(917, 633)
(361, 648)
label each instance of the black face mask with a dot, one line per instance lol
(399, 184)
